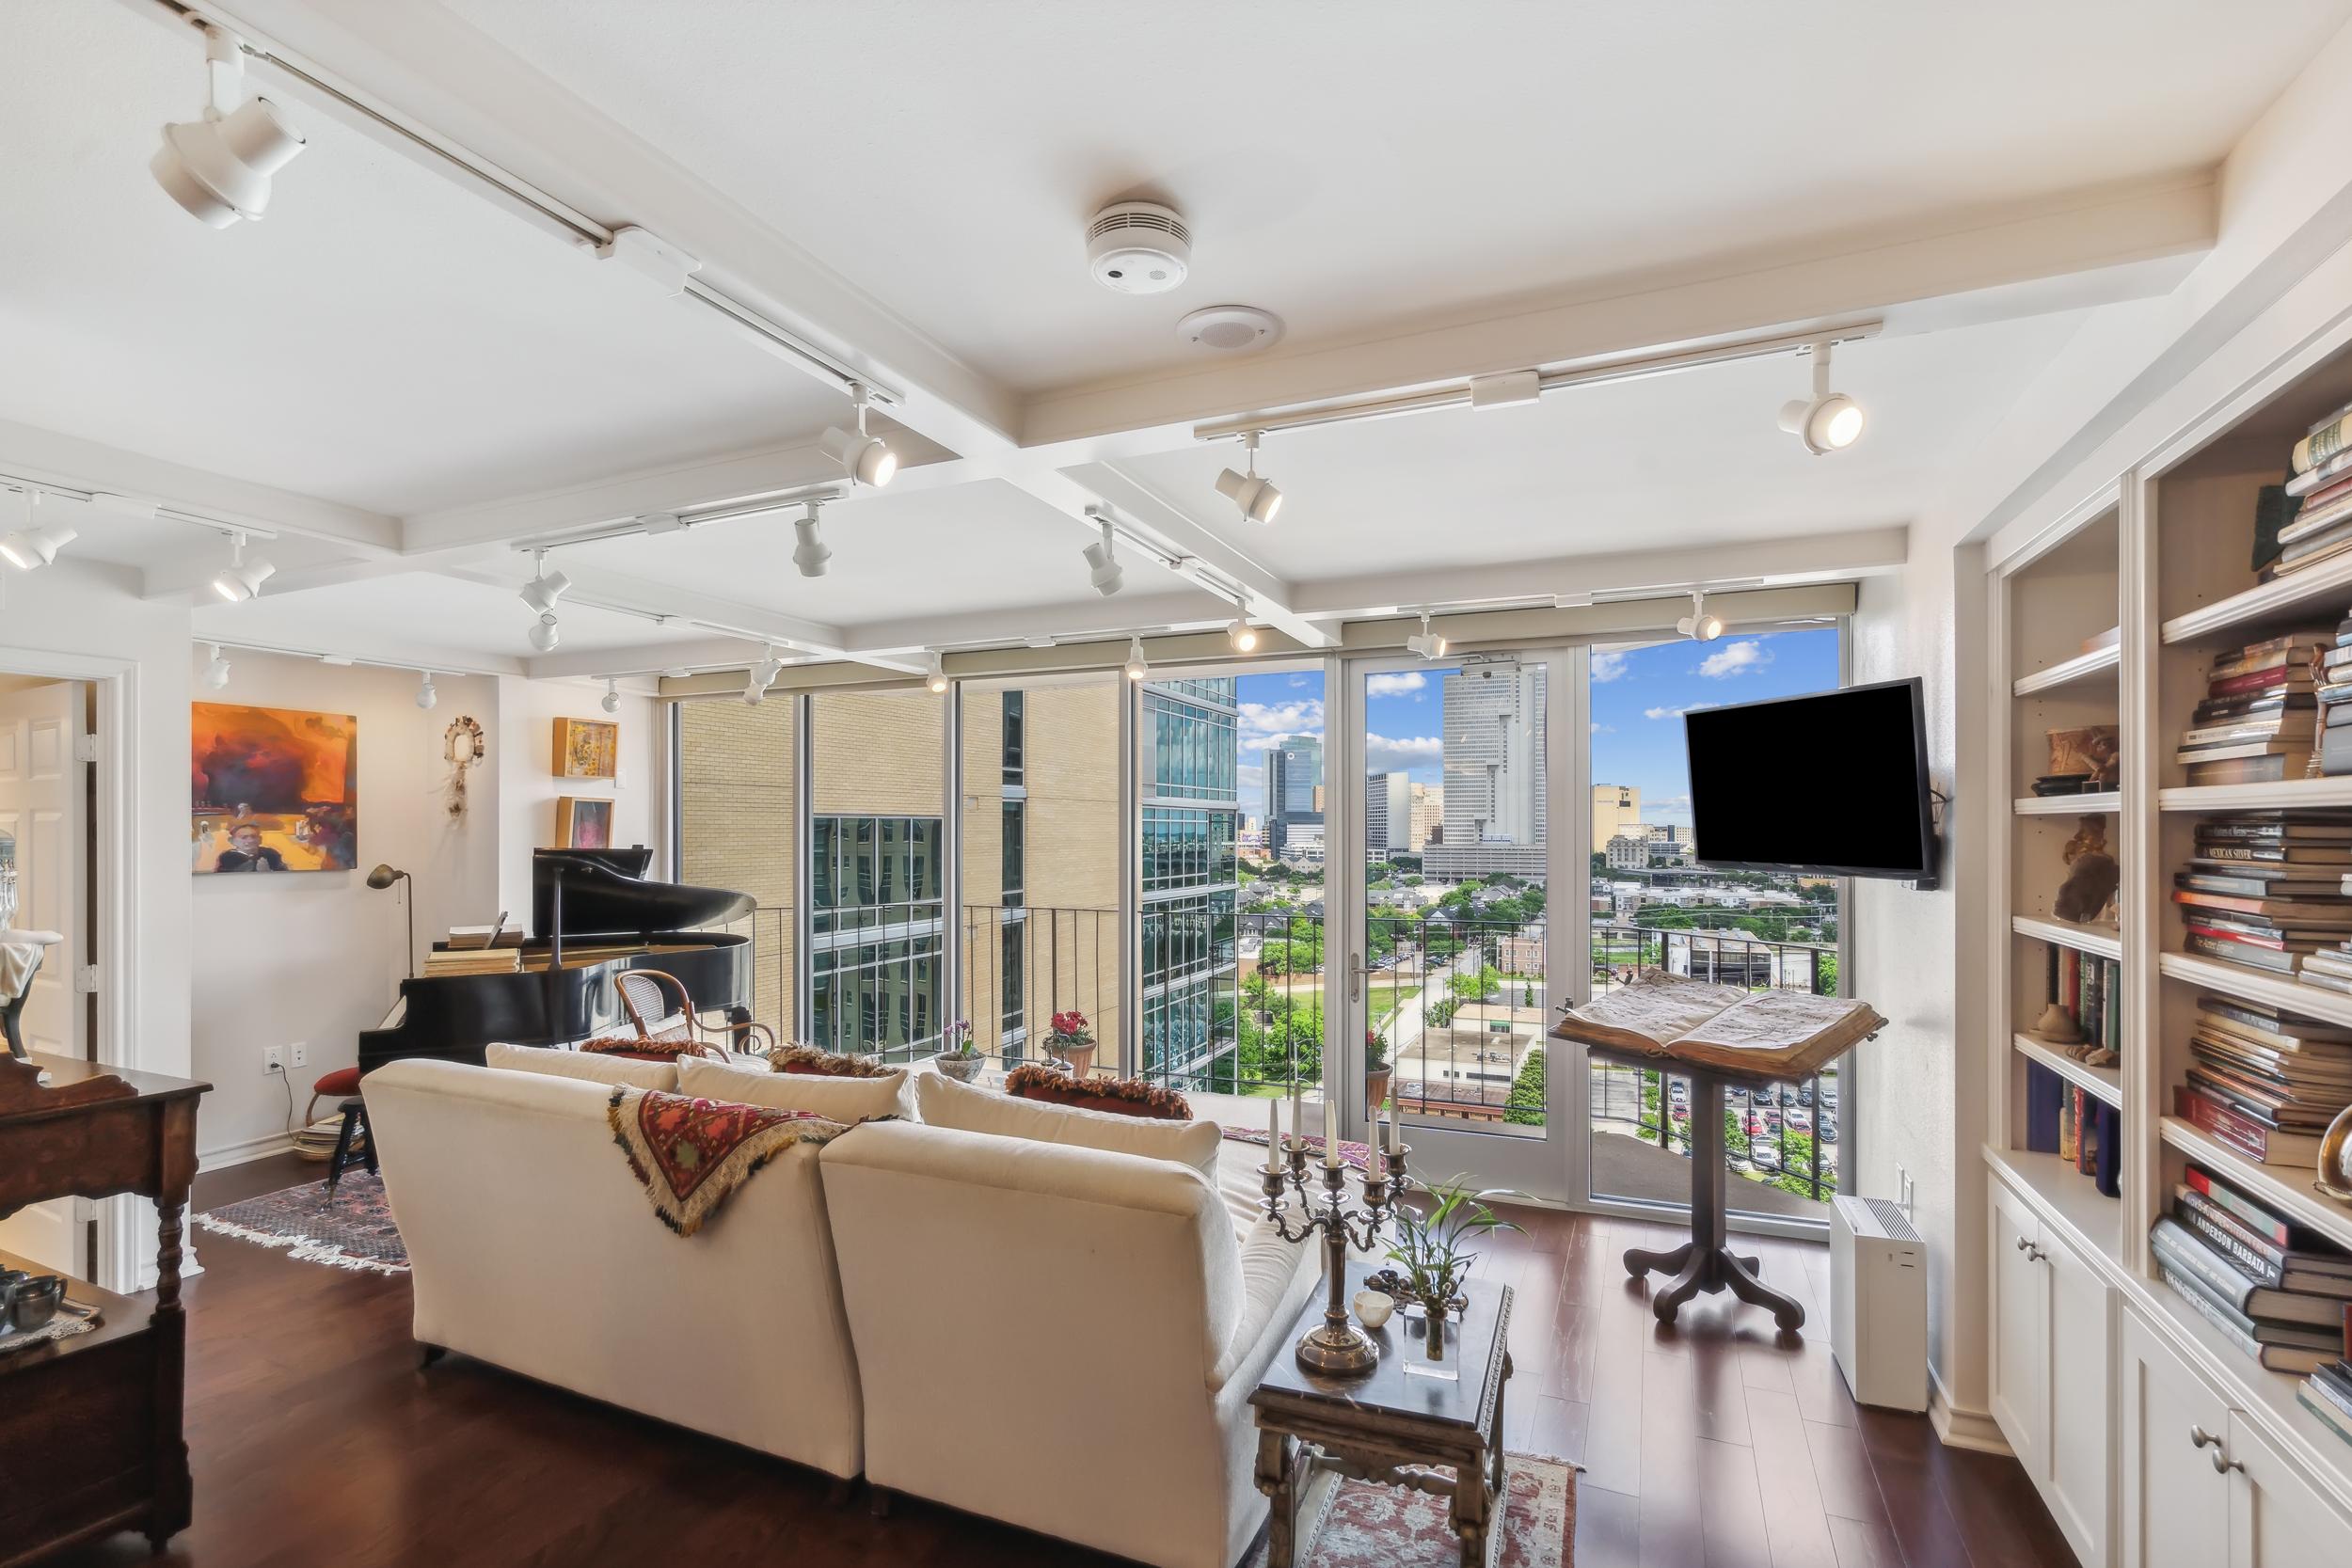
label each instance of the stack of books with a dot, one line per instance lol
(476, 960)
(2333, 756)
(2276, 1291)
(2327, 1392)
(2089, 989)
(2321, 527)
(497, 934)
(2070, 1122)
(2259, 721)
(2263, 1081)
(2265, 889)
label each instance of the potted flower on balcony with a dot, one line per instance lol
(1376, 1071)
(1072, 1040)
(960, 1059)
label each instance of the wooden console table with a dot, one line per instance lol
(90, 1427)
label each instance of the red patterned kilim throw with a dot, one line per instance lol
(692, 1153)
(1355, 1156)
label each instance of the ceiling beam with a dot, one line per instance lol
(1092, 617)
(644, 658)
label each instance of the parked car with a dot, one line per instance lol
(1829, 1128)
(1800, 1119)
(1805, 1094)
(1764, 1156)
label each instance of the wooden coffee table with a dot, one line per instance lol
(1390, 1425)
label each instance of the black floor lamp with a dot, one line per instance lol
(384, 876)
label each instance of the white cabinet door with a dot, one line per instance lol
(2081, 1412)
(2175, 1507)
(2276, 1519)
(2021, 1340)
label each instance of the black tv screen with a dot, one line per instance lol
(1834, 783)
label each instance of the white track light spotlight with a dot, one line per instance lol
(426, 696)
(545, 587)
(546, 634)
(762, 677)
(217, 673)
(218, 168)
(1137, 668)
(1257, 498)
(808, 551)
(1701, 625)
(868, 458)
(1827, 421)
(610, 701)
(241, 579)
(1426, 643)
(937, 680)
(1104, 569)
(1242, 635)
(31, 548)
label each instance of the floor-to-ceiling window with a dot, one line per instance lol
(876, 917)
(736, 799)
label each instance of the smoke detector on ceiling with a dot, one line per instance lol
(1230, 328)
(1139, 247)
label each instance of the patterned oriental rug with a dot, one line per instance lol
(356, 1232)
(1365, 1524)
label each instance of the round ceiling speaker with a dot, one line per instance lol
(1139, 247)
(1230, 328)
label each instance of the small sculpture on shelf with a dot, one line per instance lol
(2092, 877)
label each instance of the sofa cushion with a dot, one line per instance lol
(946, 1102)
(579, 1063)
(842, 1099)
(1117, 1097)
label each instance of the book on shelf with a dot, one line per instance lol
(2273, 1028)
(2323, 441)
(2331, 470)
(2320, 1314)
(497, 934)
(2314, 1398)
(2242, 1131)
(2045, 1091)
(2264, 1248)
(2106, 1169)
(2238, 1330)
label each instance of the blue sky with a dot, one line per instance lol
(1637, 699)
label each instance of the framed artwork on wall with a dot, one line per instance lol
(587, 749)
(272, 790)
(582, 823)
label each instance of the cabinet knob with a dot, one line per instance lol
(2199, 1438)
(2223, 1464)
(2034, 1253)
(2022, 1244)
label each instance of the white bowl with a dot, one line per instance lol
(1374, 1307)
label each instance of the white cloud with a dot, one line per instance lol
(1674, 808)
(1734, 658)
(1250, 786)
(1384, 756)
(1395, 685)
(1609, 666)
(1676, 712)
(1600, 728)
(1261, 722)
(1297, 681)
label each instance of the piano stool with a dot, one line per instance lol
(339, 1085)
(354, 1131)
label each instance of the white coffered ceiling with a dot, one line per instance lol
(406, 380)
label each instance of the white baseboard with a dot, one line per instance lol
(1962, 1429)
(244, 1153)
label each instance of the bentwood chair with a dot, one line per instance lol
(661, 1009)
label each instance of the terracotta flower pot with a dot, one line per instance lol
(1080, 1057)
(1375, 1088)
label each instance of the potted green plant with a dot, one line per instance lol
(1072, 1040)
(1377, 1072)
(1430, 1248)
(960, 1059)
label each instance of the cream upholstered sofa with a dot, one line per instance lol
(1061, 1336)
(533, 1247)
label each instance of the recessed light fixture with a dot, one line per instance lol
(218, 168)
(1701, 625)
(937, 680)
(1137, 668)
(610, 701)
(1427, 644)
(808, 551)
(32, 547)
(217, 673)
(1104, 569)
(1827, 421)
(1229, 329)
(868, 458)
(1257, 498)
(426, 696)
(241, 579)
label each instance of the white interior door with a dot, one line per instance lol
(43, 808)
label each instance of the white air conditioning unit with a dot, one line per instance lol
(1878, 1308)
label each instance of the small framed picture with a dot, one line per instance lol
(582, 823)
(587, 749)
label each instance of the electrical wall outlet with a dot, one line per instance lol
(301, 1050)
(273, 1058)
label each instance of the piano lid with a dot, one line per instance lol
(606, 893)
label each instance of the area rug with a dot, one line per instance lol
(1366, 1524)
(355, 1231)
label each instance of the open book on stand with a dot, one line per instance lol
(1763, 1033)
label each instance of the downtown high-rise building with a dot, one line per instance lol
(1388, 814)
(1495, 806)
(1294, 781)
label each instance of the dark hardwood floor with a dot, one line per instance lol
(315, 1439)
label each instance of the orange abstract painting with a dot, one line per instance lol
(272, 789)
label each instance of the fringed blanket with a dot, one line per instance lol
(1355, 1156)
(691, 1153)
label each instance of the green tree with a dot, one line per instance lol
(1524, 1105)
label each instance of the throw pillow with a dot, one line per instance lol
(847, 1099)
(1118, 1097)
(639, 1047)
(808, 1061)
(618, 1070)
(947, 1103)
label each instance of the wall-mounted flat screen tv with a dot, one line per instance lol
(1836, 783)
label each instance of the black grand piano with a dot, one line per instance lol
(593, 915)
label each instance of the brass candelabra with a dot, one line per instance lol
(1335, 1346)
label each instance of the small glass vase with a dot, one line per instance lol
(1432, 1362)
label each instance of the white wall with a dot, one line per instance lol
(315, 956)
(528, 786)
